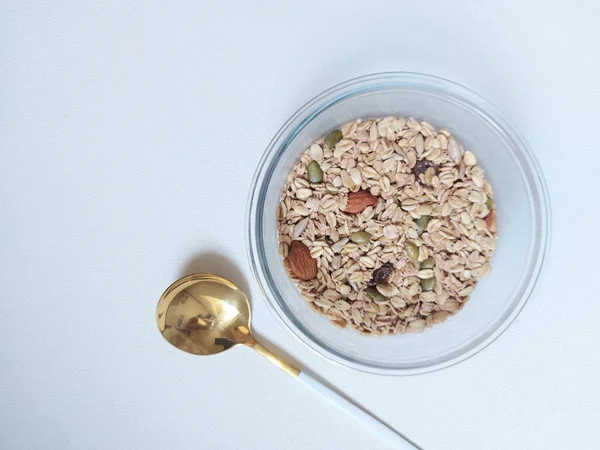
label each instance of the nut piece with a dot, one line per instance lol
(358, 201)
(301, 263)
(490, 220)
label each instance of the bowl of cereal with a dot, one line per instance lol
(397, 223)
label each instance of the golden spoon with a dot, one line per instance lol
(205, 314)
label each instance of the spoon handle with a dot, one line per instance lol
(391, 437)
(279, 362)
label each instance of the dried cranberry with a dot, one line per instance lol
(381, 275)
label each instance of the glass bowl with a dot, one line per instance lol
(523, 221)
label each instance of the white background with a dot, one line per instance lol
(129, 134)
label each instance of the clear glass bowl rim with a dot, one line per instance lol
(372, 82)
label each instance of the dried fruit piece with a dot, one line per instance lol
(381, 275)
(421, 167)
(422, 223)
(360, 237)
(332, 138)
(302, 265)
(314, 173)
(358, 201)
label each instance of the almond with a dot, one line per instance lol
(490, 220)
(358, 201)
(302, 265)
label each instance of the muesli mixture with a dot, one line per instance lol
(386, 225)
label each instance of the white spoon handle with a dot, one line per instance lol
(386, 434)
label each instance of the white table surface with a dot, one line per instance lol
(129, 134)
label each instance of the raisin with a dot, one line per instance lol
(381, 275)
(421, 167)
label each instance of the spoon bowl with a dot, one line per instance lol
(199, 314)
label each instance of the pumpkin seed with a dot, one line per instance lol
(490, 203)
(428, 263)
(314, 173)
(412, 250)
(422, 223)
(333, 138)
(377, 296)
(360, 237)
(428, 284)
